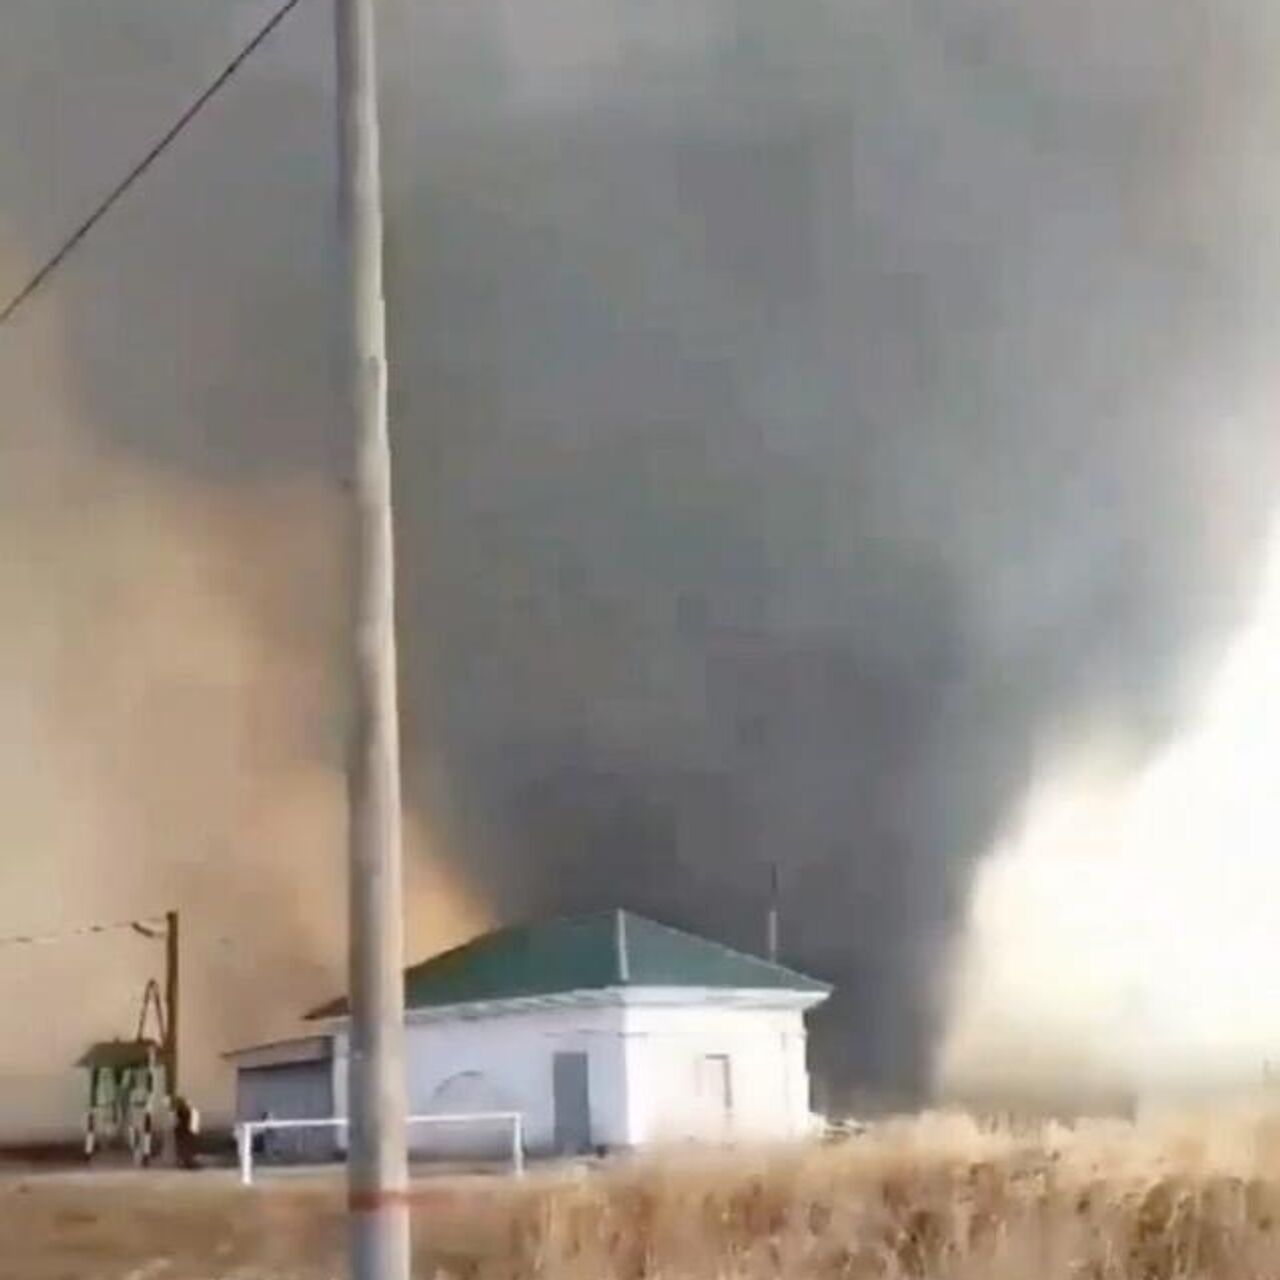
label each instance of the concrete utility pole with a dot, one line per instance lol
(377, 1165)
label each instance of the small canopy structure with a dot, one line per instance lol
(124, 1091)
(120, 1055)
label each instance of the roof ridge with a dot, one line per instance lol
(475, 938)
(736, 952)
(514, 926)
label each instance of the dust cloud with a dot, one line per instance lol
(172, 737)
(804, 421)
(815, 416)
(1123, 937)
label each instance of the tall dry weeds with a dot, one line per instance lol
(932, 1199)
(935, 1198)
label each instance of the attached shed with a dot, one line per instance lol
(607, 1031)
(289, 1080)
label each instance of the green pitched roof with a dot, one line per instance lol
(584, 953)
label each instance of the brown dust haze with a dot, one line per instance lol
(172, 737)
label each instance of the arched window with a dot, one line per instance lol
(468, 1091)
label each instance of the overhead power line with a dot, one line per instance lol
(151, 927)
(67, 247)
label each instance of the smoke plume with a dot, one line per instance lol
(801, 419)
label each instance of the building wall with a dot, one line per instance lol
(503, 1062)
(644, 1072)
(767, 1074)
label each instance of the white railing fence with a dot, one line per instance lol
(249, 1129)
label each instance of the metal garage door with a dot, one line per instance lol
(289, 1091)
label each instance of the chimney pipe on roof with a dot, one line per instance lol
(771, 924)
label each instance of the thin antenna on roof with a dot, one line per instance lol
(620, 937)
(771, 923)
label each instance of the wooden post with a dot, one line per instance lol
(171, 964)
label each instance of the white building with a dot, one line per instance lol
(606, 1031)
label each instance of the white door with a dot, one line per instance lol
(715, 1095)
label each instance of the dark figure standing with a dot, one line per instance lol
(184, 1133)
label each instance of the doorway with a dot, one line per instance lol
(571, 1087)
(715, 1093)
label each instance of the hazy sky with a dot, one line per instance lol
(804, 415)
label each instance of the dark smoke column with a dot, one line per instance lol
(378, 1172)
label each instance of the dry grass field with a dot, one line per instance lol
(932, 1197)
